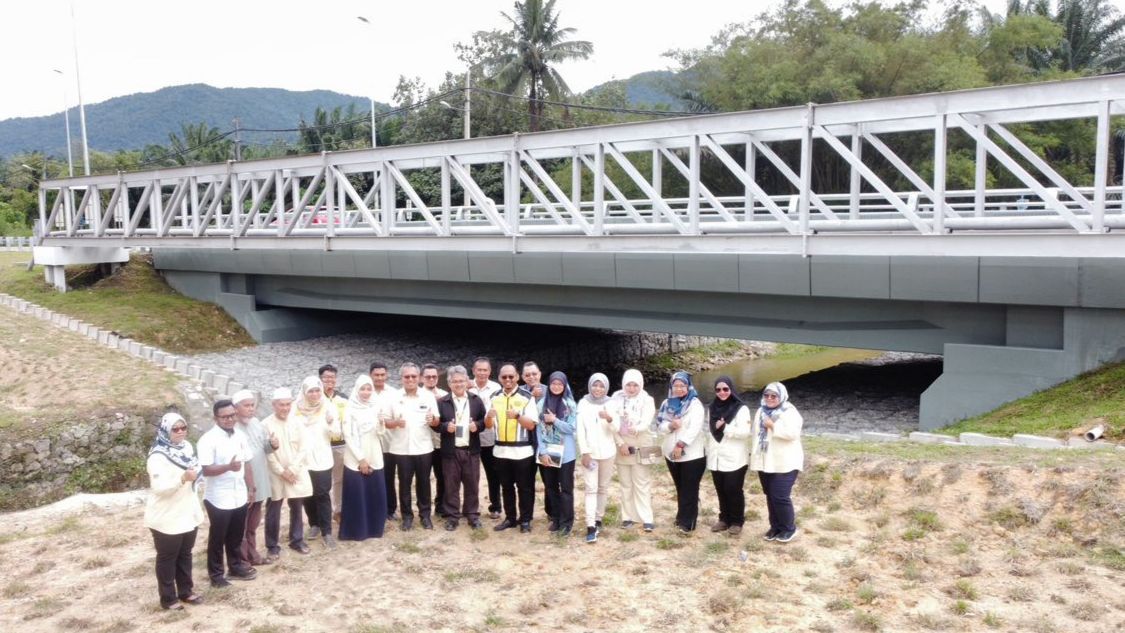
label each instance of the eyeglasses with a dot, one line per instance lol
(179, 429)
(722, 389)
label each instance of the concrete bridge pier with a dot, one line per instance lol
(55, 259)
(1045, 347)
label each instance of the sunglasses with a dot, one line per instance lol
(178, 428)
(722, 389)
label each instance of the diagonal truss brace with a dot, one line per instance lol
(760, 194)
(980, 136)
(872, 178)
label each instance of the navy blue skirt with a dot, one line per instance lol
(363, 510)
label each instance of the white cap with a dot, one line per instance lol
(242, 394)
(282, 393)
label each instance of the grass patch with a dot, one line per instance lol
(840, 604)
(628, 537)
(112, 475)
(836, 524)
(1099, 394)
(1111, 557)
(669, 543)
(964, 589)
(715, 353)
(867, 621)
(135, 301)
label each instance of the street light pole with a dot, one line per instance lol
(78, 80)
(66, 120)
(374, 139)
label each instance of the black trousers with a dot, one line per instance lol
(559, 483)
(439, 477)
(173, 565)
(517, 475)
(417, 468)
(732, 500)
(389, 480)
(225, 533)
(273, 524)
(488, 463)
(318, 507)
(686, 476)
(777, 487)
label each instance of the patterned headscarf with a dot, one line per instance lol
(673, 406)
(182, 454)
(771, 412)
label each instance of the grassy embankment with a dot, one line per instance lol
(134, 302)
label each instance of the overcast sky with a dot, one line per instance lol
(129, 46)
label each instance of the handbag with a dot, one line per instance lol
(649, 455)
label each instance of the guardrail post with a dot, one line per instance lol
(599, 188)
(748, 192)
(693, 185)
(940, 136)
(806, 168)
(856, 183)
(1101, 168)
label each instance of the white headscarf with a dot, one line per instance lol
(362, 415)
(182, 454)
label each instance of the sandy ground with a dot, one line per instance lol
(1008, 548)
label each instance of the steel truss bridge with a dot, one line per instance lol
(364, 199)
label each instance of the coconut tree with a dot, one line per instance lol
(530, 51)
(1093, 34)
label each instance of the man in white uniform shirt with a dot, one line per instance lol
(224, 455)
(412, 445)
(485, 388)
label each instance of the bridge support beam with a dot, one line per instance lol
(979, 378)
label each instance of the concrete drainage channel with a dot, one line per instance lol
(215, 384)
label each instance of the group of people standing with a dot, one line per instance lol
(366, 459)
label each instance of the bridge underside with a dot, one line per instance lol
(1006, 326)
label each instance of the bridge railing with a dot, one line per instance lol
(575, 182)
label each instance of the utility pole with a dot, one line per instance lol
(78, 80)
(237, 138)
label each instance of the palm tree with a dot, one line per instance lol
(530, 50)
(198, 143)
(1093, 34)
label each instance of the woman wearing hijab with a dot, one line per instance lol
(597, 442)
(729, 427)
(636, 449)
(321, 422)
(172, 512)
(556, 451)
(681, 420)
(364, 503)
(777, 455)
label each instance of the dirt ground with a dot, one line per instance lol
(45, 368)
(884, 544)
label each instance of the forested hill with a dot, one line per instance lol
(652, 89)
(134, 121)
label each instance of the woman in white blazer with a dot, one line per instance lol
(728, 429)
(777, 455)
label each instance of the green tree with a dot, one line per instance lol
(1093, 34)
(530, 50)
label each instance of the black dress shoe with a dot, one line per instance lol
(427, 523)
(505, 524)
(475, 524)
(494, 514)
(525, 527)
(220, 582)
(552, 526)
(407, 524)
(450, 525)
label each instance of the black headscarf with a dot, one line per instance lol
(723, 409)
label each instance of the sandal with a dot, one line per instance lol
(175, 606)
(193, 599)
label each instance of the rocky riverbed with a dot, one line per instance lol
(879, 394)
